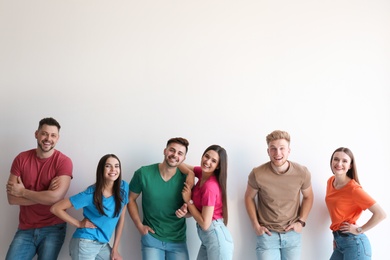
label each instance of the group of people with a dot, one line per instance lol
(278, 200)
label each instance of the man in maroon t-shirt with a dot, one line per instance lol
(39, 178)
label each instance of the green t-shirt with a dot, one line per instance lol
(160, 200)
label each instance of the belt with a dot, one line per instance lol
(340, 233)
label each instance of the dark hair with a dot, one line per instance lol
(352, 172)
(179, 140)
(49, 121)
(99, 186)
(221, 174)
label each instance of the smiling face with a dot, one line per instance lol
(111, 169)
(209, 162)
(47, 137)
(278, 152)
(341, 163)
(174, 154)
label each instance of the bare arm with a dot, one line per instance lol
(189, 171)
(307, 203)
(59, 209)
(250, 205)
(18, 195)
(132, 208)
(378, 214)
(203, 218)
(118, 234)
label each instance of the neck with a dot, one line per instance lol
(43, 155)
(166, 172)
(281, 169)
(340, 181)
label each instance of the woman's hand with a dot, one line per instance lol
(86, 223)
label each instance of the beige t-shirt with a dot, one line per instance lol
(278, 197)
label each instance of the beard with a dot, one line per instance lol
(45, 150)
(169, 162)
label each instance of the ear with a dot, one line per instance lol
(36, 134)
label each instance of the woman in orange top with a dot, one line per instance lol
(346, 200)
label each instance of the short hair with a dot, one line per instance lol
(277, 135)
(49, 121)
(179, 140)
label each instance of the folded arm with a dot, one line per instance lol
(17, 194)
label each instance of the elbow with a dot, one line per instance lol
(205, 226)
(383, 215)
(53, 210)
(11, 200)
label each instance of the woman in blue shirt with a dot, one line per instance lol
(102, 205)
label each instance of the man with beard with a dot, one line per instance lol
(280, 214)
(163, 230)
(39, 177)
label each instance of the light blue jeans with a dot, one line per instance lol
(45, 242)
(279, 246)
(351, 247)
(217, 242)
(86, 249)
(154, 249)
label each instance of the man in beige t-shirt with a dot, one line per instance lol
(279, 214)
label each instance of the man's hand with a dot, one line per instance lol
(143, 229)
(16, 188)
(260, 230)
(54, 184)
(182, 212)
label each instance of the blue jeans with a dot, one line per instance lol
(86, 249)
(351, 247)
(45, 242)
(279, 246)
(154, 249)
(217, 242)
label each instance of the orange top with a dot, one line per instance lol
(347, 203)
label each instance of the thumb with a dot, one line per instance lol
(19, 179)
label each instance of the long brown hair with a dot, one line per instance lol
(221, 174)
(99, 186)
(352, 172)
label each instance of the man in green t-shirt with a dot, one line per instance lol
(163, 232)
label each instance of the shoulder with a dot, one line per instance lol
(299, 168)
(26, 154)
(124, 186)
(147, 168)
(261, 168)
(60, 156)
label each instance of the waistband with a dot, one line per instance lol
(341, 234)
(215, 222)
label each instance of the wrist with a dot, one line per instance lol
(303, 223)
(359, 230)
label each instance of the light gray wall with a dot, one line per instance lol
(124, 76)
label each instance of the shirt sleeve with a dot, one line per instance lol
(82, 199)
(136, 183)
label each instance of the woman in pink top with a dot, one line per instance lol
(208, 205)
(346, 201)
